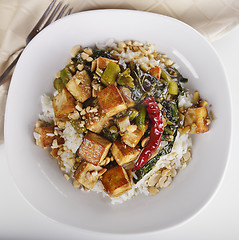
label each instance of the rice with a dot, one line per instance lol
(185, 100)
(47, 114)
(68, 160)
(72, 139)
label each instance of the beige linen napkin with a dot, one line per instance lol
(17, 17)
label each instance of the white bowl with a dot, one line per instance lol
(38, 176)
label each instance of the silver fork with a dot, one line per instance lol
(38, 28)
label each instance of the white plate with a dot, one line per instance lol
(37, 175)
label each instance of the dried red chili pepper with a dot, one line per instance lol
(156, 131)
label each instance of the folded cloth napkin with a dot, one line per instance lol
(212, 18)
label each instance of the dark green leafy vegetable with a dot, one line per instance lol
(146, 84)
(151, 163)
(138, 91)
(171, 110)
(174, 73)
(125, 79)
(101, 53)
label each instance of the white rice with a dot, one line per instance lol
(68, 159)
(106, 44)
(72, 139)
(185, 101)
(47, 114)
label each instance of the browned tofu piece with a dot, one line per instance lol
(94, 148)
(97, 120)
(122, 153)
(123, 123)
(46, 136)
(63, 104)
(127, 96)
(156, 72)
(133, 138)
(88, 174)
(116, 181)
(101, 63)
(111, 101)
(80, 86)
(195, 119)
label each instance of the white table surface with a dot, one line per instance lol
(218, 220)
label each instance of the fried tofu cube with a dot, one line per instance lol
(80, 86)
(97, 120)
(94, 148)
(45, 136)
(116, 181)
(195, 118)
(111, 101)
(63, 104)
(123, 123)
(132, 138)
(156, 72)
(127, 96)
(101, 63)
(122, 153)
(88, 174)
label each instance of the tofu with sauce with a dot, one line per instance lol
(97, 120)
(47, 136)
(94, 148)
(122, 153)
(88, 174)
(195, 119)
(156, 72)
(116, 181)
(133, 138)
(111, 101)
(63, 104)
(80, 86)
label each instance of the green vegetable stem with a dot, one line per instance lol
(66, 75)
(172, 86)
(110, 74)
(140, 119)
(58, 84)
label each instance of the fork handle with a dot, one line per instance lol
(10, 67)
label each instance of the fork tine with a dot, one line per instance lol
(52, 15)
(61, 12)
(43, 16)
(68, 12)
